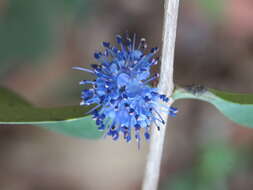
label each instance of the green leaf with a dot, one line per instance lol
(237, 107)
(68, 120)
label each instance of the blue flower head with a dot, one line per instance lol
(124, 100)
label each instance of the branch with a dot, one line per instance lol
(165, 86)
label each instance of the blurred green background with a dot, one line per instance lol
(41, 40)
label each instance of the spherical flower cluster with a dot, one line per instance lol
(124, 100)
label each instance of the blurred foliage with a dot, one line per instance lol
(213, 8)
(28, 29)
(215, 164)
(217, 160)
(80, 8)
(24, 31)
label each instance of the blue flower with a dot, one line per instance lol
(123, 98)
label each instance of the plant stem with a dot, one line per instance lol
(165, 86)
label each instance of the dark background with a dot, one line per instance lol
(41, 40)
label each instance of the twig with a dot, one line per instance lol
(165, 86)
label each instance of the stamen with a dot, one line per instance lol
(86, 82)
(92, 109)
(142, 44)
(152, 78)
(83, 69)
(133, 45)
(106, 44)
